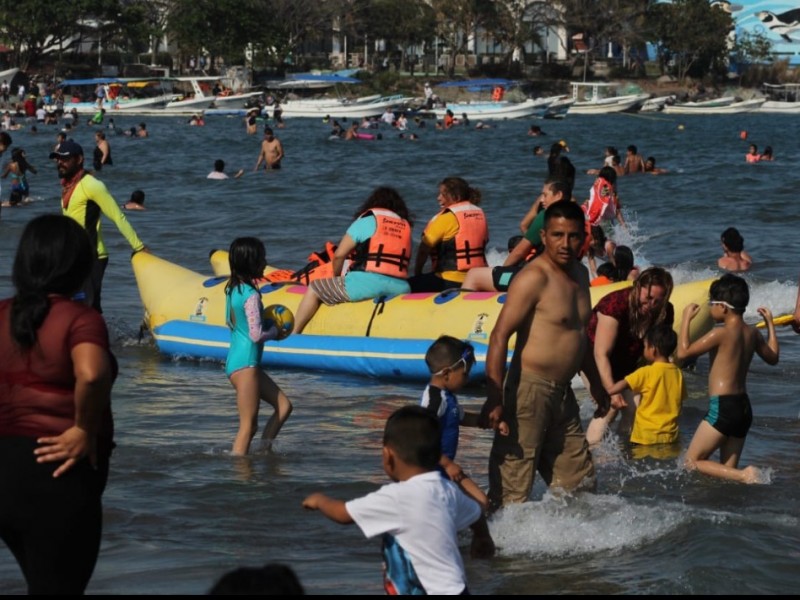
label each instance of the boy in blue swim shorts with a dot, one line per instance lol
(731, 346)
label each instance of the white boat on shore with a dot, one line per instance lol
(781, 98)
(488, 111)
(657, 103)
(727, 105)
(596, 98)
(121, 94)
(197, 93)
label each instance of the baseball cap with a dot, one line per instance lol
(67, 149)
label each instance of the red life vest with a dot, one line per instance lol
(467, 249)
(602, 202)
(497, 94)
(388, 251)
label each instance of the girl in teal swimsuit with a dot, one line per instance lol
(243, 308)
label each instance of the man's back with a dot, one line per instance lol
(730, 359)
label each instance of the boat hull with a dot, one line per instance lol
(727, 109)
(487, 111)
(608, 105)
(184, 311)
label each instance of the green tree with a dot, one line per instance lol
(458, 20)
(516, 23)
(34, 26)
(692, 36)
(402, 23)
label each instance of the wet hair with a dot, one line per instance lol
(268, 131)
(616, 160)
(732, 289)
(413, 433)
(142, 126)
(458, 189)
(654, 276)
(246, 258)
(18, 156)
(446, 351)
(272, 579)
(513, 241)
(219, 165)
(565, 209)
(612, 151)
(388, 198)
(5, 139)
(137, 197)
(632, 149)
(100, 135)
(732, 239)
(608, 270)
(767, 151)
(609, 174)
(651, 160)
(663, 338)
(559, 185)
(54, 256)
(623, 261)
(565, 171)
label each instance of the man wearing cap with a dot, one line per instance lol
(84, 198)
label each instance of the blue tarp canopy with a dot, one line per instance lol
(477, 85)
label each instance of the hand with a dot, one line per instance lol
(502, 428)
(767, 315)
(618, 400)
(313, 501)
(455, 472)
(482, 546)
(690, 312)
(491, 415)
(70, 446)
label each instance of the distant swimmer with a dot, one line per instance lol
(650, 167)
(219, 171)
(633, 161)
(734, 259)
(752, 155)
(767, 155)
(136, 202)
(271, 153)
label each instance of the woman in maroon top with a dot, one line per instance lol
(617, 327)
(56, 430)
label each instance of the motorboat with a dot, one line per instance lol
(121, 94)
(286, 96)
(781, 98)
(489, 100)
(726, 105)
(596, 97)
(657, 103)
(202, 92)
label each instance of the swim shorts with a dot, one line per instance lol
(545, 435)
(730, 414)
(502, 276)
(330, 290)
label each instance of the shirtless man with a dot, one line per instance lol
(271, 152)
(633, 161)
(734, 258)
(548, 308)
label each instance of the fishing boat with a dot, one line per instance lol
(781, 98)
(489, 101)
(726, 105)
(197, 93)
(320, 105)
(657, 103)
(121, 94)
(386, 337)
(595, 98)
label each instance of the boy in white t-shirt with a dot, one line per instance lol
(419, 516)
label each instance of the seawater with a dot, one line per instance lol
(179, 511)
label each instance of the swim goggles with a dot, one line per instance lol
(467, 358)
(722, 303)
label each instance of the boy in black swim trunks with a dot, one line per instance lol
(732, 346)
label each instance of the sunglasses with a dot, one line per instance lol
(467, 358)
(721, 303)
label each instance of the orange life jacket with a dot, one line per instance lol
(388, 251)
(497, 94)
(467, 249)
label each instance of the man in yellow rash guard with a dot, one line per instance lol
(84, 198)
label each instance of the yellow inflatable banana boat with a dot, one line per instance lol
(381, 338)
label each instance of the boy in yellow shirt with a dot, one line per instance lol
(660, 390)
